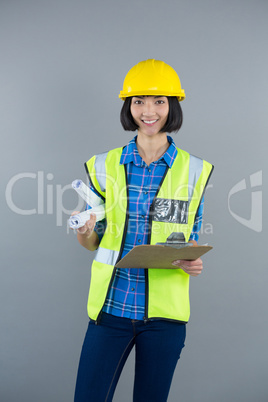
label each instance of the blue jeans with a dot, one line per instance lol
(158, 345)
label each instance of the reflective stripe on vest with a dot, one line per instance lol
(100, 169)
(106, 256)
(195, 169)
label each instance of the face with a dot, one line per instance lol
(150, 113)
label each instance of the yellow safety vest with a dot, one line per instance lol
(180, 191)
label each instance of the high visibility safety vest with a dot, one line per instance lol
(173, 210)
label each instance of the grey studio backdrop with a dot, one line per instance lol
(62, 67)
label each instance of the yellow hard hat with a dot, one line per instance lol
(152, 77)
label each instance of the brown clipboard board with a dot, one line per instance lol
(157, 256)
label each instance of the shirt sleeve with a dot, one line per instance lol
(100, 225)
(198, 222)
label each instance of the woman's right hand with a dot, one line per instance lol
(88, 228)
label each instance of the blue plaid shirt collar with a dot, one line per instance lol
(130, 153)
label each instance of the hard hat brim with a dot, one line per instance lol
(124, 95)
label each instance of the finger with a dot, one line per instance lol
(89, 225)
(191, 269)
(191, 263)
(186, 263)
(193, 272)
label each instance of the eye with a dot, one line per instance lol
(137, 102)
(160, 102)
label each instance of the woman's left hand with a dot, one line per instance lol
(193, 268)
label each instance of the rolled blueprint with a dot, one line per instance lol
(79, 220)
(86, 193)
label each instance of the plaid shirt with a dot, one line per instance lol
(126, 297)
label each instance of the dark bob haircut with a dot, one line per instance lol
(173, 123)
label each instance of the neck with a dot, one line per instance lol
(152, 148)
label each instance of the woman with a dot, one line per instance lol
(151, 189)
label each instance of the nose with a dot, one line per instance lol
(148, 109)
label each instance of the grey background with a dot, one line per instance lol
(62, 67)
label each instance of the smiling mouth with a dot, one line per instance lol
(149, 121)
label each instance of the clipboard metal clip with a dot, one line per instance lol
(176, 240)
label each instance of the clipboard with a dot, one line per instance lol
(161, 255)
